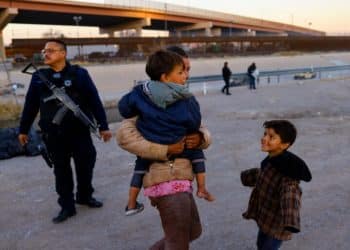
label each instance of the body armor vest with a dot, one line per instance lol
(66, 79)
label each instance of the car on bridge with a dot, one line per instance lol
(305, 75)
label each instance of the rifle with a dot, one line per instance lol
(67, 102)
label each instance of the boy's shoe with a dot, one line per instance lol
(137, 209)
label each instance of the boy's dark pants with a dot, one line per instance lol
(266, 242)
(180, 221)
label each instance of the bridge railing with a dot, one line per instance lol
(202, 83)
(272, 74)
(190, 11)
(197, 12)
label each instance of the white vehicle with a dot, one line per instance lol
(304, 75)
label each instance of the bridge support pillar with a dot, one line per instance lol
(141, 49)
(6, 16)
(2, 47)
(203, 29)
(207, 32)
(199, 32)
(216, 31)
(137, 25)
(177, 33)
(251, 33)
(139, 31)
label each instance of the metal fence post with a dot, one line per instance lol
(204, 88)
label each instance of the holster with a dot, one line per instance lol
(44, 152)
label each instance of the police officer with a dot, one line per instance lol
(70, 138)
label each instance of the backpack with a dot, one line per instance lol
(10, 146)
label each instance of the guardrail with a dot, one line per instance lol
(272, 73)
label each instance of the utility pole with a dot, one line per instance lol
(77, 20)
(166, 21)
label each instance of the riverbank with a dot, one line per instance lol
(114, 80)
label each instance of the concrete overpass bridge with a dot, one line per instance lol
(221, 44)
(110, 17)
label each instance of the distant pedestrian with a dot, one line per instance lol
(226, 75)
(256, 76)
(252, 74)
(275, 200)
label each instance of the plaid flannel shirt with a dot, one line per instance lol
(274, 202)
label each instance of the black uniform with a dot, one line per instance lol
(226, 74)
(250, 71)
(70, 139)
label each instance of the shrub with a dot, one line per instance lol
(9, 110)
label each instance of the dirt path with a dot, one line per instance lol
(321, 113)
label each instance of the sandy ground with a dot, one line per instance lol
(319, 109)
(112, 79)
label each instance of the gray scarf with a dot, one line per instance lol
(164, 94)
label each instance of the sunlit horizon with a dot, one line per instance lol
(331, 17)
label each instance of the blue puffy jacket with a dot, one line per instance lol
(164, 126)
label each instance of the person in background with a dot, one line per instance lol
(256, 76)
(226, 75)
(71, 138)
(250, 72)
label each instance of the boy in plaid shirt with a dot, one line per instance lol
(275, 200)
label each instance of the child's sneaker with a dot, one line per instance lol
(137, 209)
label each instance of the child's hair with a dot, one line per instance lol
(285, 129)
(162, 62)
